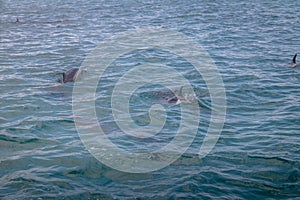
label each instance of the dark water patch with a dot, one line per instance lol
(18, 140)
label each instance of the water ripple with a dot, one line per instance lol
(257, 155)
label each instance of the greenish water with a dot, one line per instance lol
(257, 155)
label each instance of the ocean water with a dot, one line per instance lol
(257, 155)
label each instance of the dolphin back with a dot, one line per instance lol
(70, 75)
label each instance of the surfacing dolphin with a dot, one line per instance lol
(180, 98)
(293, 63)
(176, 99)
(70, 75)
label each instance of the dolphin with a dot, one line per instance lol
(70, 75)
(177, 98)
(293, 63)
(183, 98)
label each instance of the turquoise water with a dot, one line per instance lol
(257, 155)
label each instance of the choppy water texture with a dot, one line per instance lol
(258, 153)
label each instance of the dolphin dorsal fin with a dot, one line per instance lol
(63, 78)
(294, 59)
(180, 92)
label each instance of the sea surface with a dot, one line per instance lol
(257, 155)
